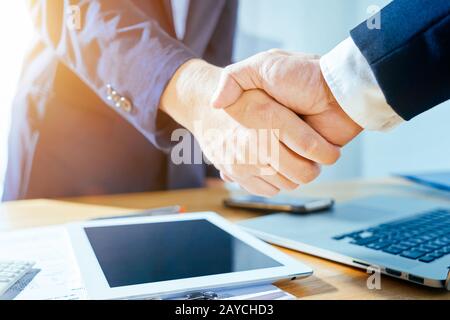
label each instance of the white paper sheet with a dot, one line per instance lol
(59, 277)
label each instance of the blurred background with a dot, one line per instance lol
(298, 25)
(16, 34)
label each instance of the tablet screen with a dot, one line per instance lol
(153, 252)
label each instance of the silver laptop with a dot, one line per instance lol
(407, 238)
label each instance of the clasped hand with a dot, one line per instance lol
(275, 101)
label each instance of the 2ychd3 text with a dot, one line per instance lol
(224, 310)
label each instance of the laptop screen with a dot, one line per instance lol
(153, 252)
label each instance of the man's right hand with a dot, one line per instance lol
(296, 81)
(291, 160)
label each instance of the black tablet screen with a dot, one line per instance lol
(145, 253)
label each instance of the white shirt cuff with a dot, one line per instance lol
(356, 89)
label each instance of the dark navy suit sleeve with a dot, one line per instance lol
(116, 43)
(410, 54)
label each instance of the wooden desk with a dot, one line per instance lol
(330, 280)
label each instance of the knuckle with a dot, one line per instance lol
(309, 144)
(266, 171)
(260, 108)
(273, 70)
(230, 73)
(270, 192)
(275, 51)
(241, 171)
(265, 107)
(257, 97)
(260, 189)
(310, 172)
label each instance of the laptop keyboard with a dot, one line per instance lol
(424, 237)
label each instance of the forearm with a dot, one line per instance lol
(187, 96)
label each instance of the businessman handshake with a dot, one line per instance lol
(294, 81)
(271, 122)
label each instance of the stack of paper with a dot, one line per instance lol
(56, 275)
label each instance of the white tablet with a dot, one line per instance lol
(167, 256)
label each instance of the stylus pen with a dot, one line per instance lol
(148, 213)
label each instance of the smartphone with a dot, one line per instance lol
(279, 204)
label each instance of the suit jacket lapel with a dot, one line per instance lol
(202, 20)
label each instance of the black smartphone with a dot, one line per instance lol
(279, 204)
